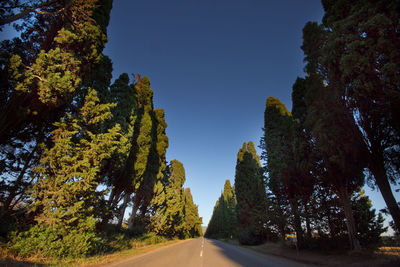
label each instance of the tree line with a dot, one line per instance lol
(343, 131)
(76, 149)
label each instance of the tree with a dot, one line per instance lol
(65, 194)
(286, 150)
(369, 225)
(250, 195)
(330, 122)
(44, 73)
(364, 41)
(168, 203)
(149, 150)
(340, 145)
(116, 174)
(193, 222)
(223, 222)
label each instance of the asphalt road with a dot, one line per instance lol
(202, 252)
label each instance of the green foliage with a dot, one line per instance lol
(173, 212)
(56, 242)
(45, 72)
(168, 219)
(223, 222)
(65, 192)
(356, 50)
(120, 241)
(151, 238)
(66, 133)
(250, 195)
(192, 224)
(287, 149)
(369, 225)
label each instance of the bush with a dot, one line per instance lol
(121, 242)
(56, 242)
(248, 237)
(152, 238)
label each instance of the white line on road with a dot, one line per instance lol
(202, 244)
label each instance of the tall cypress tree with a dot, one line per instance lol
(168, 203)
(223, 222)
(148, 152)
(250, 195)
(192, 225)
(284, 153)
(364, 45)
(44, 72)
(65, 194)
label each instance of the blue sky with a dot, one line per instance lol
(212, 65)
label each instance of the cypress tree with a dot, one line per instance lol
(168, 203)
(284, 178)
(147, 162)
(65, 196)
(192, 224)
(44, 72)
(223, 222)
(250, 194)
(363, 45)
(117, 172)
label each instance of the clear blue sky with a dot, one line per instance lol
(212, 65)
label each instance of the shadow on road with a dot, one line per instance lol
(243, 257)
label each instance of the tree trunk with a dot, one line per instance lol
(351, 228)
(297, 223)
(17, 183)
(131, 220)
(122, 210)
(307, 217)
(331, 225)
(381, 179)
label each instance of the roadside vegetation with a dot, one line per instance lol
(77, 148)
(342, 133)
(119, 247)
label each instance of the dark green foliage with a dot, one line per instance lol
(223, 222)
(251, 196)
(44, 72)
(148, 148)
(357, 46)
(76, 151)
(287, 152)
(368, 224)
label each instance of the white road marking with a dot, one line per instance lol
(202, 245)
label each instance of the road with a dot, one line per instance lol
(202, 252)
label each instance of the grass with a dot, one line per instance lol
(139, 246)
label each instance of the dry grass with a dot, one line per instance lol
(8, 259)
(394, 251)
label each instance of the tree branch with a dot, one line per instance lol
(29, 10)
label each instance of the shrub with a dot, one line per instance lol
(152, 238)
(56, 242)
(121, 242)
(247, 236)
